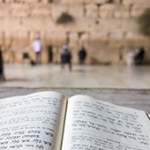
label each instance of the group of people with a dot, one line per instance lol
(136, 58)
(66, 57)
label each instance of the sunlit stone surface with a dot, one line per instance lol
(24, 75)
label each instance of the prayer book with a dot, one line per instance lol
(49, 121)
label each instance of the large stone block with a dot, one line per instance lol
(84, 1)
(73, 38)
(91, 10)
(4, 10)
(37, 24)
(107, 10)
(59, 38)
(76, 1)
(32, 1)
(122, 12)
(129, 25)
(115, 24)
(137, 10)
(8, 38)
(38, 10)
(117, 34)
(76, 10)
(19, 1)
(33, 35)
(49, 37)
(10, 24)
(23, 38)
(2, 38)
(19, 10)
(118, 2)
(97, 36)
(9, 1)
(15, 38)
(134, 2)
(85, 38)
(57, 10)
(80, 25)
(135, 36)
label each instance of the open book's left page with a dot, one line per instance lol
(29, 122)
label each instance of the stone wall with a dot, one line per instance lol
(105, 28)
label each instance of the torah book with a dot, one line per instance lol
(50, 121)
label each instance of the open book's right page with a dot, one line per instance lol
(95, 125)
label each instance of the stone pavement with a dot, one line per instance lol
(50, 75)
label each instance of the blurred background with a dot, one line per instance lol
(75, 43)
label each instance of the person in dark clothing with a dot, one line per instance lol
(139, 56)
(66, 57)
(1, 66)
(82, 55)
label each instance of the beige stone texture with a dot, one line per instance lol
(9, 1)
(49, 37)
(73, 37)
(32, 1)
(57, 10)
(4, 10)
(130, 25)
(80, 25)
(38, 10)
(83, 1)
(107, 10)
(138, 2)
(92, 10)
(109, 25)
(135, 36)
(117, 34)
(37, 24)
(84, 39)
(122, 12)
(137, 10)
(59, 38)
(23, 38)
(117, 2)
(42, 35)
(2, 38)
(99, 1)
(19, 10)
(76, 1)
(76, 10)
(15, 38)
(19, 1)
(8, 39)
(97, 36)
(10, 24)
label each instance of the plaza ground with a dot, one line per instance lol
(51, 75)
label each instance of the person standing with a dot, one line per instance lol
(37, 46)
(139, 56)
(66, 57)
(82, 55)
(2, 78)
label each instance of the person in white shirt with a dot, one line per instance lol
(37, 46)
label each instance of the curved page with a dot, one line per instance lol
(29, 122)
(95, 125)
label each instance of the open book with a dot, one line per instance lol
(49, 121)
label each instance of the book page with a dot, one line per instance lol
(95, 125)
(29, 122)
